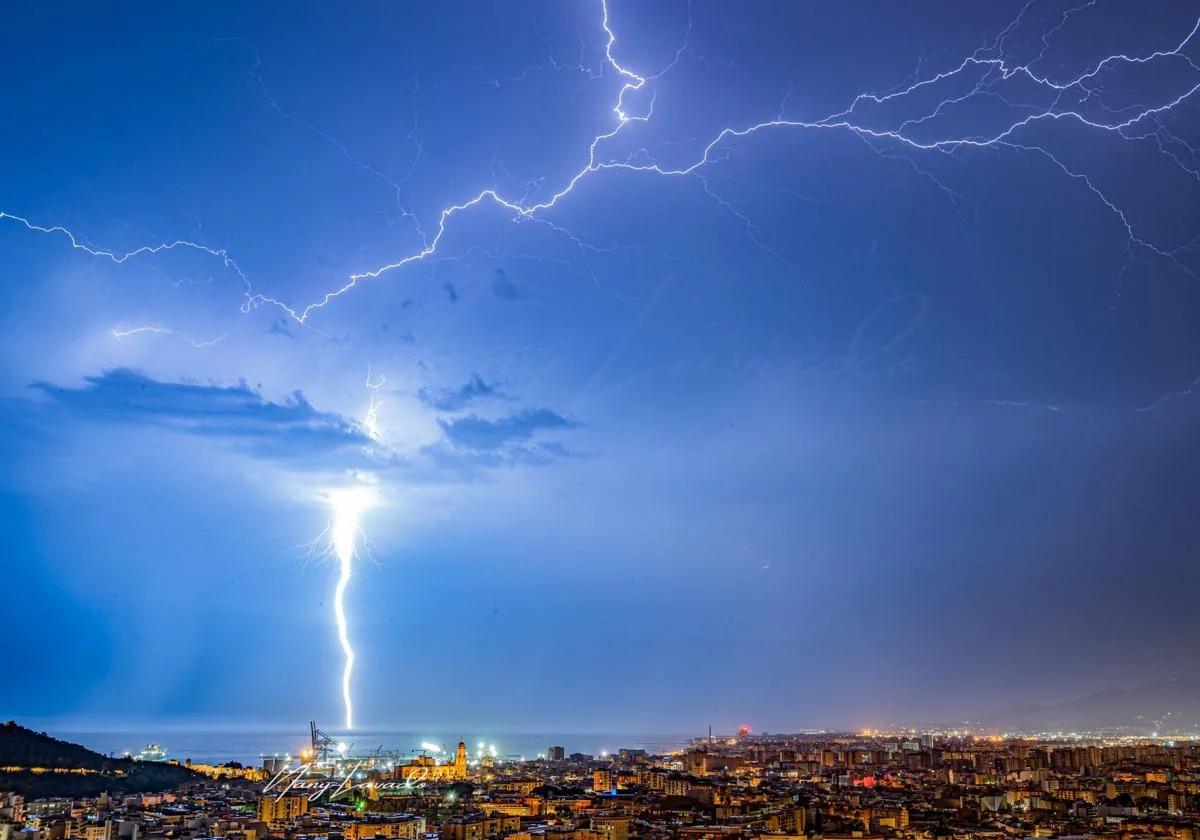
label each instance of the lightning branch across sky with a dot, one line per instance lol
(199, 345)
(1072, 98)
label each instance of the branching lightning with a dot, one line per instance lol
(79, 244)
(1069, 96)
(371, 417)
(995, 70)
(1071, 99)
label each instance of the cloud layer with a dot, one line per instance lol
(455, 399)
(488, 435)
(293, 430)
(289, 429)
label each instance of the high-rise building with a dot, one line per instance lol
(276, 811)
(405, 827)
(479, 827)
(612, 826)
(556, 753)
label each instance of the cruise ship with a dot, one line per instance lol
(153, 752)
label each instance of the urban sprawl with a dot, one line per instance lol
(866, 786)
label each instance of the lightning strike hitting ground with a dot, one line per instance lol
(343, 532)
(339, 541)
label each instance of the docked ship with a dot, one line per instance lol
(153, 752)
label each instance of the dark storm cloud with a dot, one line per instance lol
(445, 463)
(502, 287)
(289, 429)
(487, 435)
(293, 430)
(455, 399)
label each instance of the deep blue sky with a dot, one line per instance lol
(832, 430)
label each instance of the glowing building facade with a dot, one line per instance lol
(278, 811)
(426, 769)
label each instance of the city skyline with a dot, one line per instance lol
(611, 364)
(739, 785)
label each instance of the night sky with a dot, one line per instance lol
(880, 412)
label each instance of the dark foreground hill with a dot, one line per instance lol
(35, 765)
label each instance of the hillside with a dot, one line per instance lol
(36, 765)
(1168, 706)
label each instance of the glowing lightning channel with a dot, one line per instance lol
(349, 505)
(199, 345)
(371, 417)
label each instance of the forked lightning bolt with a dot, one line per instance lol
(1076, 98)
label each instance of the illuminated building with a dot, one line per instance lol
(529, 806)
(225, 771)
(272, 765)
(612, 827)
(479, 827)
(277, 811)
(702, 762)
(406, 828)
(425, 768)
(106, 830)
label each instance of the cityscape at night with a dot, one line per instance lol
(600, 420)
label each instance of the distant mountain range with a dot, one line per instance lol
(1168, 707)
(35, 765)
